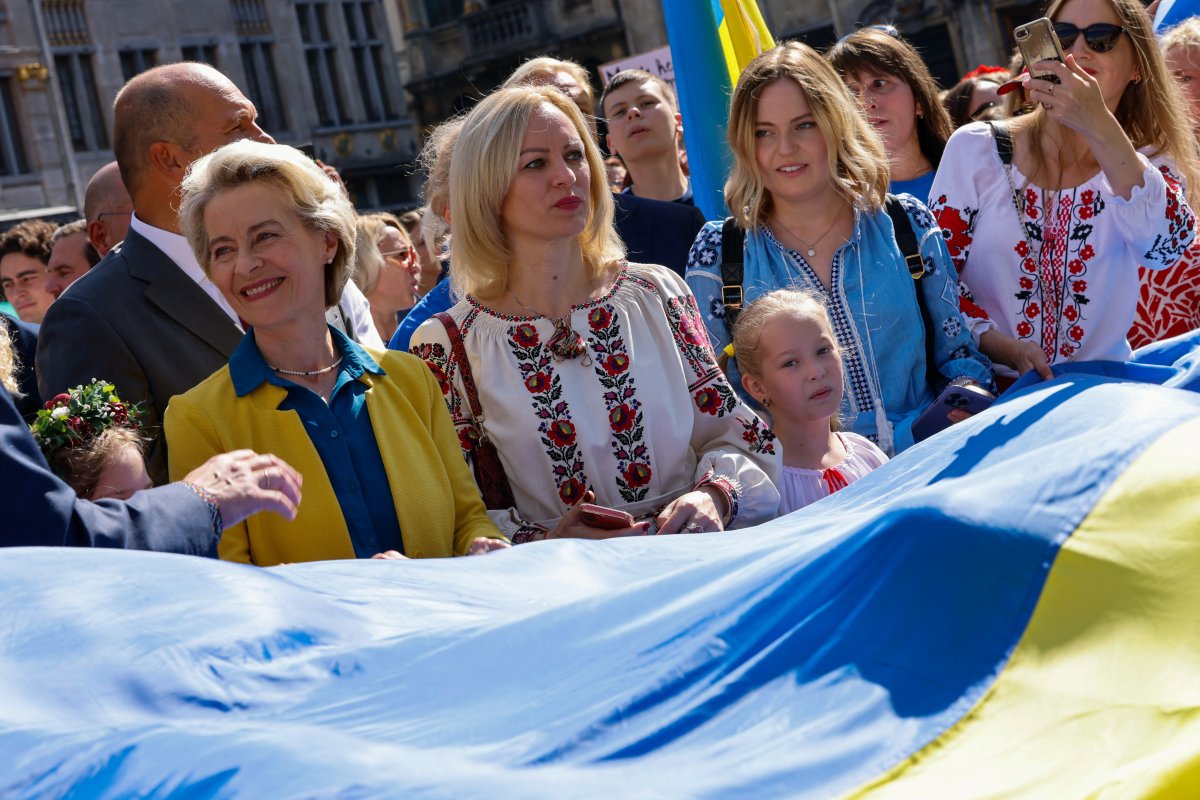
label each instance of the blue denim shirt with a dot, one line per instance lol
(343, 436)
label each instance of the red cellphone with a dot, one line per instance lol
(607, 519)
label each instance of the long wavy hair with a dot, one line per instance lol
(858, 161)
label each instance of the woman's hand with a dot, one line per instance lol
(694, 512)
(482, 545)
(390, 555)
(1075, 102)
(1028, 356)
(570, 526)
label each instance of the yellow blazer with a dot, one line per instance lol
(437, 502)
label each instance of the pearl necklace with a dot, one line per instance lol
(307, 373)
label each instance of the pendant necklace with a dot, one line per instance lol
(565, 344)
(811, 249)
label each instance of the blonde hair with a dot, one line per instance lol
(1149, 110)
(435, 158)
(481, 172)
(8, 361)
(535, 70)
(369, 265)
(858, 161)
(320, 203)
(747, 332)
(1185, 34)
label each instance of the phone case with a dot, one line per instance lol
(608, 519)
(954, 404)
(1038, 42)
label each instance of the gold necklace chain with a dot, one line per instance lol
(810, 249)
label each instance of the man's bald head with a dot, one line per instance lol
(105, 193)
(106, 208)
(153, 106)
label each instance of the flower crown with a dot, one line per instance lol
(78, 416)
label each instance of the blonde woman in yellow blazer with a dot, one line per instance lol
(368, 431)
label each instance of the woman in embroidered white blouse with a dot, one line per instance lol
(1049, 244)
(594, 376)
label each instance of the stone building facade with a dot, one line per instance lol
(319, 71)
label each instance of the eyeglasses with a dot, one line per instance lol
(1101, 37)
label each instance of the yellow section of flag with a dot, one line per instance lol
(744, 35)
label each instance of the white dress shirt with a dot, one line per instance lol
(178, 250)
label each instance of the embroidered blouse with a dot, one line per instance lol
(873, 307)
(1065, 273)
(642, 417)
(799, 487)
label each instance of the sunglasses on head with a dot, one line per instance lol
(1100, 36)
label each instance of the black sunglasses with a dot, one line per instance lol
(1101, 37)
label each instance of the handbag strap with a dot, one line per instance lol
(459, 353)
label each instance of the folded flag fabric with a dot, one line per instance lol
(1007, 609)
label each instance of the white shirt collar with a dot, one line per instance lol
(178, 250)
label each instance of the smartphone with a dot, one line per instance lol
(308, 149)
(607, 519)
(1038, 42)
(954, 404)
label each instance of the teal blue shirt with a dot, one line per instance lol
(343, 436)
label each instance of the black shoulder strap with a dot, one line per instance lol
(906, 240)
(733, 244)
(1004, 143)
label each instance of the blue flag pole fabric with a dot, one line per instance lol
(1006, 609)
(709, 49)
(1172, 12)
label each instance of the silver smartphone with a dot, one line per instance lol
(1038, 42)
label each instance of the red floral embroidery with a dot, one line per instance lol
(615, 364)
(1032, 310)
(1024, 329)
(1085, 212)
(1087, 197)
(624, 409)
(537, 383)
(1022, 248)
(1087, 252)
(1031, 204)
(468, 438)
(1026, 282)
(1076, 333)
(1079, 286)
(708, 401)
(599, 318)
(637, 474)
(561, 432)
(1169, 300)
(1076, 266)
(1070, 314)
(1028, 265)
(571, 491)
(621, 418)
(525, 335)
(956, 229)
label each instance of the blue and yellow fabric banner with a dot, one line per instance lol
(1008, 609)
(711, 42)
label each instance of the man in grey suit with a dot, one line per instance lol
(146, 318)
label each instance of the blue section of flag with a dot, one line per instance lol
(802, 658)
(702, 82)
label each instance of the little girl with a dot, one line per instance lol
(91, 441)
(790, 364)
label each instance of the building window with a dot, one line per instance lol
(135, 62)
(319, 53)
(204, 53)
(369, 53)
(439, 12)
(12, 152)
(84, 118)
(262, 85)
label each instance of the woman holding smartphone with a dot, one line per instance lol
(1048, 230)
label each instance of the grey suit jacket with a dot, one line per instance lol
(137, 321)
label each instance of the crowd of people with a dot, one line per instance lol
(573, 351)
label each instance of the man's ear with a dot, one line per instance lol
(167, 159)
(609, 144)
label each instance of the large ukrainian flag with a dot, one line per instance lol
(1010, 609)
(711, 42)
